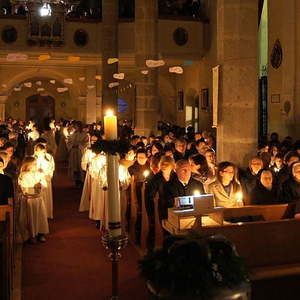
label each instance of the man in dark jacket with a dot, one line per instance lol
(181, 185)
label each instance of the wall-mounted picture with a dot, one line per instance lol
(275, 98)
(204, 99)
(181, 100)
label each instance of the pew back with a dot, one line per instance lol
(263, 243)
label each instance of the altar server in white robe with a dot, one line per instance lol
(33, 209)
(76, 145)
(49, 136)
(65, 132)
(98, 204)
(87, 157)
(32, 136)
(45, 163)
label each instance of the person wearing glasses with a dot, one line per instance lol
(226, 189)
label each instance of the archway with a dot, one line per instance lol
(40, 109)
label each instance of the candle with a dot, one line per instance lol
(113, 195)
(197, 193)
(239, 199)
(146, 173)
(110, 125)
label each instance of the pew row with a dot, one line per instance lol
(6, 251)
(271, 248)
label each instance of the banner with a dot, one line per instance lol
(215, 95)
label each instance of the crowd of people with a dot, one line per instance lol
(176, 163)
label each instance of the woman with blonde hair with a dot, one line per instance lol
(226, 189)
(31, 182)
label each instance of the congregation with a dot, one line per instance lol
(179, 162)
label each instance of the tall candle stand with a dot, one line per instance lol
(114, 245)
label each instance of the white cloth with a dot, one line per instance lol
(33, 208)
(47, 165)
(86, 191)
(76, 145)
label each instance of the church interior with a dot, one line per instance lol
(217, 74)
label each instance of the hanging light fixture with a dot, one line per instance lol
(45, 10)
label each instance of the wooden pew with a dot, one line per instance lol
(271, 248)
(269, 212)
(6, 251)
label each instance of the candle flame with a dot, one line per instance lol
(109, 113)
(146, 173)
(197, 193)
(239, 196)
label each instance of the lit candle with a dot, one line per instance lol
(113, 195)
(146, 173)
(110, 125)
(239, 199)
(113, 192)
(197, 193)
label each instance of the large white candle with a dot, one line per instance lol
(110, 125)
(113, 195)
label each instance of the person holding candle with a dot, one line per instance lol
(136, 172)
(249, 177)
(226, 189)
(76, 144)
(155, 186)
(33, 207)
(183, 184)
(85, 165)
(98, 195)
(45, 164)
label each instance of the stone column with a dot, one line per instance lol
(110, 9)
(146, 16)
(237, 53)
(2, 107)
(91, 100)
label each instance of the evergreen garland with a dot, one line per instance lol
(193, 267)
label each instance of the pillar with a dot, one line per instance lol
(91, 100)
(237, 54)
(146, 16)
(110, 10)
(2, 107)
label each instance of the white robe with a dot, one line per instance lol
(33, 210)
(47, 165)
(98, 204)
(76, 144)
(86, 191)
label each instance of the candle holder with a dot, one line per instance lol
(115, 244)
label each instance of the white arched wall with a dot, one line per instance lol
(68, 105)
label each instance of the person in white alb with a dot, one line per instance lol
(31, 181)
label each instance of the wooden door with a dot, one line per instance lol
(40, 109)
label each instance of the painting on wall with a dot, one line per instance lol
(204, 99)
(180, 106)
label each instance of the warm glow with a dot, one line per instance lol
(239, 196)
(197, 193)
(146, 173)
(109, 113)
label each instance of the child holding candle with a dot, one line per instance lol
(31, 182)
(45, 163)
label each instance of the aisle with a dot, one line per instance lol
(73, 264)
